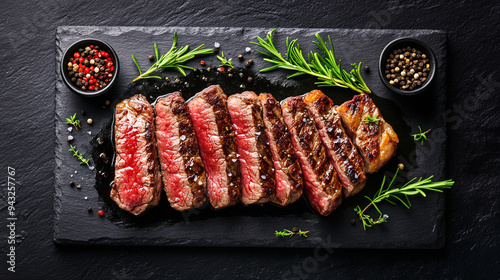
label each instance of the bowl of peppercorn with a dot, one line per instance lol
(89, 67)
(407, 66)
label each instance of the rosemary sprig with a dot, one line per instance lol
(369, 119)
(412, 187)
(420, 136)
(326, 69)
(289, 233)
(224, 61)
(174, 58)
(73, 121)
(77, 154)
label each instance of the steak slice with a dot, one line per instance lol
(182, 170)
(214, 130)
(287, 171)
(137, 183)
(339, 148)
(257, 174)
(322, 185)
(377, 142)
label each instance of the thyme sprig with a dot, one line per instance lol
(412, 187)
(325, 68)
(369, 119)
(288, 233)
(174, 58)
(420, 136)
(77, 154)
(224, 61)
(73, 121)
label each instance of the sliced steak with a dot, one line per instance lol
(339, 148)
(137, 183)
(377, 142)
(214, 130)
(322, 185)
(182, 169)
(287, 171)
(257, 174)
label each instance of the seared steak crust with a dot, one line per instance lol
(322, 185)
(258, 183)
(137, 183)
(377, 142)
(339, 148)
(287, 169)
(214, 130)
(183, 173)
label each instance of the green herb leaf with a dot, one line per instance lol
(412, 187)
(224, 61)
(78, 155)
(73, 121)
(369, 120)
(288, 233)
(325, 68)
(174, 58)
(420, 136)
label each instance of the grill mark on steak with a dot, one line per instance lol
(137, 183)
(377, 143)
(182, 168)
(287, 169)
(213, 127)
(258, 183)
(339, 148)
(322, 186)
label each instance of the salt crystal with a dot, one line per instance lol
(263, 177)
(89, 132)
(304, 120)
(310, 132)
(91, 167)
(200, 183)
(237, 155)
(76, 171)
(217, 45)
(329, 129)
(231, 184)
(70, 138)
(248, 49)
(229, 174)
(183, 137)
(71, 176)
(70, 129)
(195, 178)
(86, 198)
(258, 133)
(234, 160)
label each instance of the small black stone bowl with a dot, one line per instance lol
(68, 55)
(401, 43)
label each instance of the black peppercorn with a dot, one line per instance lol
(216, 50)
(71, 184)
(240, 57)
(150, 58)
(367, 69)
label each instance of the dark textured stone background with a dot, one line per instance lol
(27, 41)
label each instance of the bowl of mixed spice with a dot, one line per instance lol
(407, 66)
(89, 67)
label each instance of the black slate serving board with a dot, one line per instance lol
(421, 227)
